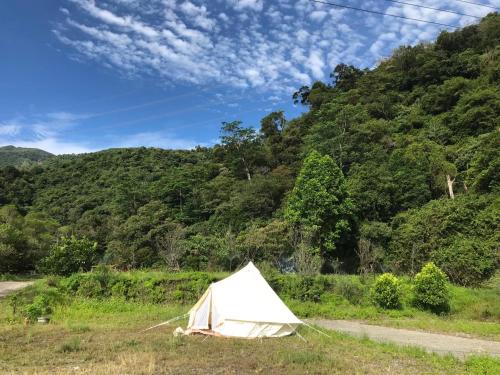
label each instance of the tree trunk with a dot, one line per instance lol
(450, 182)
(247, 171)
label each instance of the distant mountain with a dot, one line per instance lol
(17, 156)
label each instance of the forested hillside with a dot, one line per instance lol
(388, 169)
(21, 156)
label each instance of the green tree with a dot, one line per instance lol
(70, 255)
(240, 145)
(345, 76)
(320, 202)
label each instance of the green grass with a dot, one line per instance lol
(105, 337)
(473, 312)
(17, 277)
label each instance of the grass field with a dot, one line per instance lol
(103, 336)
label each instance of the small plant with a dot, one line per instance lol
(40, 307)
(72, 345)
(79, 328)
(431, 289)
(386, 291)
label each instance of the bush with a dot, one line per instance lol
(39, 307)
(431, 289)
(468, 261)
(70, 255)
(90, 288)
(350, 289)
(302, 288)
(386, 291)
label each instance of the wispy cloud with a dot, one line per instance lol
(53, 145)
(157, 139)
(9, 129)
(53, 132)
(271, 46)
(45, 131)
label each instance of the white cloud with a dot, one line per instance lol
(157, 139)
(44, 131)
(52, 145)
(198, 14)
(223, 16)
(256, 5)
(7, 129)
(52, 132)
(318, 15)
(270, 46)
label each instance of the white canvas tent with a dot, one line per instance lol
(242, 305)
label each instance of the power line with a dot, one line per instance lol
(382, 13)
(427, 7)
(478, 4)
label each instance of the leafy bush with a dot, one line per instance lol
(302, 288)
(90, 288)
(39, 307)
(386, 291)
(468, 261)
(70, 255)
(431, 289)
(350, 289)
(457, 234)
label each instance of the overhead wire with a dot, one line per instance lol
(431, 8)
(382, 13)
(478, 4)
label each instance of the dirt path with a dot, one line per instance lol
(431, 342)
(7, 287)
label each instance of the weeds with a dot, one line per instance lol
(70, 346)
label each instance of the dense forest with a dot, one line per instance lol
(21, 156)
(388, 169)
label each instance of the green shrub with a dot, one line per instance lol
(90, 288)
(386, 291)
(468, 261)
(120, 289)
(302, 288)
(350, 289)
(431, 289)
(39, 307)
(70, 255)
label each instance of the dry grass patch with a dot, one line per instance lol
(55, 349)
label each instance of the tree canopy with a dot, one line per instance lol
(388, 169)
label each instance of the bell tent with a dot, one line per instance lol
(242, 305)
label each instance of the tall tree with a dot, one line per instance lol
(319, 203)
(240, 144)
(345, 76)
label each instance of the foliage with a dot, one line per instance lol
(468, 261)
(24, 240)
(21, 157)
(391, 141)
(386, 291)
(319, 202)
(431, 289)
(39, 307)
(70, 255)
(466, 224)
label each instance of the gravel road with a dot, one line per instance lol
(431, 342)
(7, 287)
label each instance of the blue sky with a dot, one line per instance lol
(84, 75)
